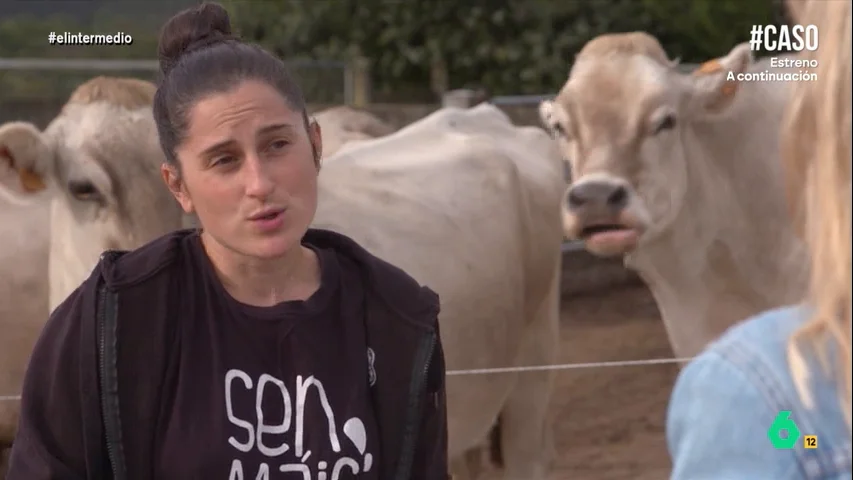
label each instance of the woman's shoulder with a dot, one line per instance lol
(742, 383)
(758, 347)
(765, 331)
(124, 268)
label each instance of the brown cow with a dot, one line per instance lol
(681, 174)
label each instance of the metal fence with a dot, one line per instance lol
(324, 81)
(30, 85)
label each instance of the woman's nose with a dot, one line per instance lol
(258, 181)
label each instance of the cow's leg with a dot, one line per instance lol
(470, 465)
(459, 469)
(4, 461)
(475, 459)
(525, 437)
(9, 412)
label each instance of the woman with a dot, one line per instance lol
(787, 369)
(251, 347)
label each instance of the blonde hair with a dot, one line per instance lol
(817, 147)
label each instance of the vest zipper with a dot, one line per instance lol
(423, 359)
(107, 359)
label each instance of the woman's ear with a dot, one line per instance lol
(315, 136)
(173, 180)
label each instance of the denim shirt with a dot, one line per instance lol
(726, 399)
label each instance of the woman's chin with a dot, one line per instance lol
(273, 246)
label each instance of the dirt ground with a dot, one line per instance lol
(609, 422)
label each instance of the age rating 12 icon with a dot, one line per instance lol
(784, 433)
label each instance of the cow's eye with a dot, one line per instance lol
(84, 190)
(665, 123)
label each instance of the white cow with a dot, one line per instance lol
(468, 204)
(680, 173)
(343, 126)
(23, 301)
(88, 183)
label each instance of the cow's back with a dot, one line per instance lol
(342, 125)
(467, 187)
(24, 231)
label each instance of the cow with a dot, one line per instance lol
(343, 124)
(468, 204)
(87, 183)
(680, 173)
(24, 232)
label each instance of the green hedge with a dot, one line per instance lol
(504, 46)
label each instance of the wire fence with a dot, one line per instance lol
(524, 369)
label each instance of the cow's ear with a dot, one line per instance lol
(555, 119)
(24, 153)
(716, 82)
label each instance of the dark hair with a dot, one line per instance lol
(199, 55)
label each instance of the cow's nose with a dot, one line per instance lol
(598, 193)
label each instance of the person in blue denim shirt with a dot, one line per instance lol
(791, 366)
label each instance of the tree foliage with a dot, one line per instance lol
(416, 48)
(505, 46)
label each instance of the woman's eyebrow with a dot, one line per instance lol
(275, 127)
(217, 146)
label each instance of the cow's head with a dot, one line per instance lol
(343, 125)
(99, 161)
(620, 123)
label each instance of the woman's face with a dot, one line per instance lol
(248, 170)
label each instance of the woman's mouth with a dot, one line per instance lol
(268, 220)
(267, 216)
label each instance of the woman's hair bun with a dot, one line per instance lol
(192, 29)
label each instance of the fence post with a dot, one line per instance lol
(463, 98)
(357, 82)
(439, 77)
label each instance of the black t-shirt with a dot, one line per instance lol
(279, 392)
